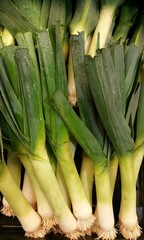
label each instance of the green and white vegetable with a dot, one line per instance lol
(71, 116)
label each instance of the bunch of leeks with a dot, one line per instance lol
(30, 143)
(107, 85)
(104, 80)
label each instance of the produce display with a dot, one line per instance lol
(71, 116)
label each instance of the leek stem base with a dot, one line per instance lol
(130, 232)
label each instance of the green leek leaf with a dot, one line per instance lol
(104, 88)
(15, 20)
(32, 99)
(85, 102)
(78, 128)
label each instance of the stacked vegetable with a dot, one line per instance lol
(71, 106)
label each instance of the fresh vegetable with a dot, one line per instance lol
(106, 94)
(81, 22)
(71, 115)
(105, 25)
(128, 14)
(28, 217)
(14, 167)
(94, 150)
(88, 115)
(34, 141)
(53, 78)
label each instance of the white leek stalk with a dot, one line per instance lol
(28, 191)
(94, 150)
(80, 205)
(65, 193)
(128, 221)
(27, 216)
(55, 77)
(62, 185)
(105, 23)
(87, 176)
(104, 223)
(45, 174)
(7, 38)
(14, 166)
(35, 195)
(87, 180)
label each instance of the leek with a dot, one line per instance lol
(43, 207)
(104, 89)
(128, 15)
(139, 138)
(35, 145)
(15, 20)
(35, 195)
(88, 114)
(40, 163)
(44, 14)
(43, 69)
(137, 36)
(30, 10)
(137, 39)
(92, 147)
(81, 22)
(108, 10)
(87, 176)
(57, 13)
(28, 217)
(28, 191)
(14, 166)
(61, 11)
(54, 78)
(7, 38)
(62, 184)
